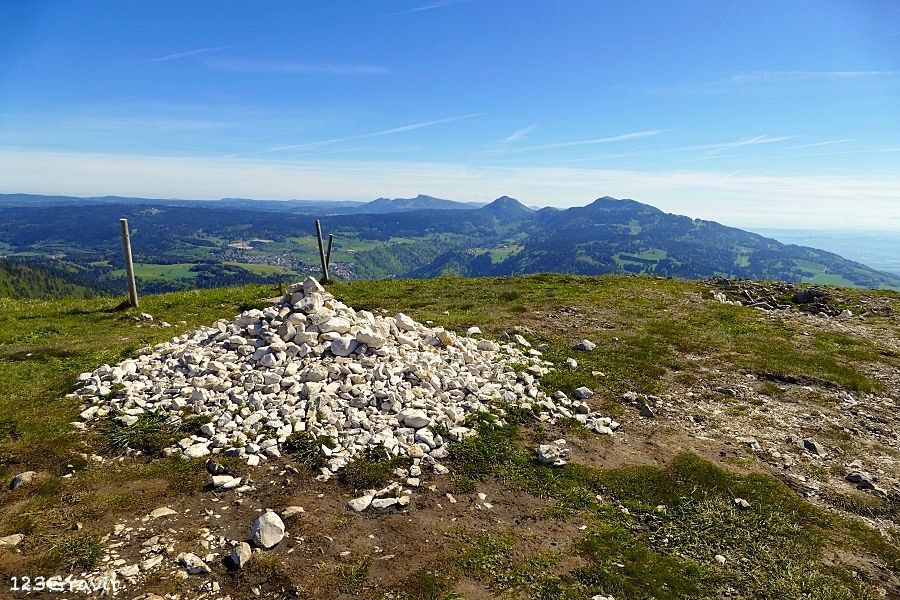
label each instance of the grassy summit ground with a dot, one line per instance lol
(640, 514)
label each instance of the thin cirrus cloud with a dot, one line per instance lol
(634, 135)
(742, 82)
(715, 149)
(817, 144)
(748, 141)
(383, 132)
(291, 67)
(517, 135)
(186, 54)
(786, 76)
(432, 6)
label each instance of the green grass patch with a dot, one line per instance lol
(307, 449)
(79, 551)
(158, 271)
(622, 565)
(262, 269)
(372, 470)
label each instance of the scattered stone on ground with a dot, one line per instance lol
(241, 554)
(267, 530)
(292, 511)
(22, 479)
(193, 563)
(777, 296)
(163, 511)
(815, 448)
(585, 346)
(584, 393)
(11, 541)
(555, 454)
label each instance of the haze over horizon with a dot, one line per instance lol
(762, 115)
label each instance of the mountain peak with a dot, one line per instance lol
(610, 204)
(605, 200)
(420, 202)
(507, 205)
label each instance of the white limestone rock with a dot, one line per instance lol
(241, 555)
(193, 563)
(267, 530)
(361, 503)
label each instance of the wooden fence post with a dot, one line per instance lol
(129, 265)
(328, 252)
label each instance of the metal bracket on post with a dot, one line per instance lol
(322, 251)
(129, 265)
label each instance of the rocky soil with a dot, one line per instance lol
(355, 382)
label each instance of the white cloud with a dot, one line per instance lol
(828, 143)
(391, 131)
(733, 198)
(292, 67)
(779, 76)
(432, 6)
(748, 141)
(556, 145)
(187, 54)
(517, 135)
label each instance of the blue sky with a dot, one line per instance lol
(750, 113)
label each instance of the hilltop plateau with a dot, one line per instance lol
(730, 450)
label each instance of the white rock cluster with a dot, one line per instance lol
(312, 364)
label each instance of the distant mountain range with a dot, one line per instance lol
(326, 207)
(182, 243)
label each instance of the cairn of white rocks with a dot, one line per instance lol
(312, 364)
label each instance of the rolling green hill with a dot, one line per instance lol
(196, 245)
(624, 236)
(23, 280)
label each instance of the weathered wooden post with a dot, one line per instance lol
(328, 252)
(322, 251)
(129, 265)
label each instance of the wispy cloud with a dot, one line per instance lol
(604, 140)
(828, 143)
(740, 83)
(391, 131)
(186, 54)
(747, 141)
(889, 150)
(432, 6)
(715, 151)
(519, 134)
(786, 76)
(291, 67)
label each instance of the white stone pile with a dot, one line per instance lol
(312, 364)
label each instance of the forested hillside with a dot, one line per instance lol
(22, 280)
(195, 245)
